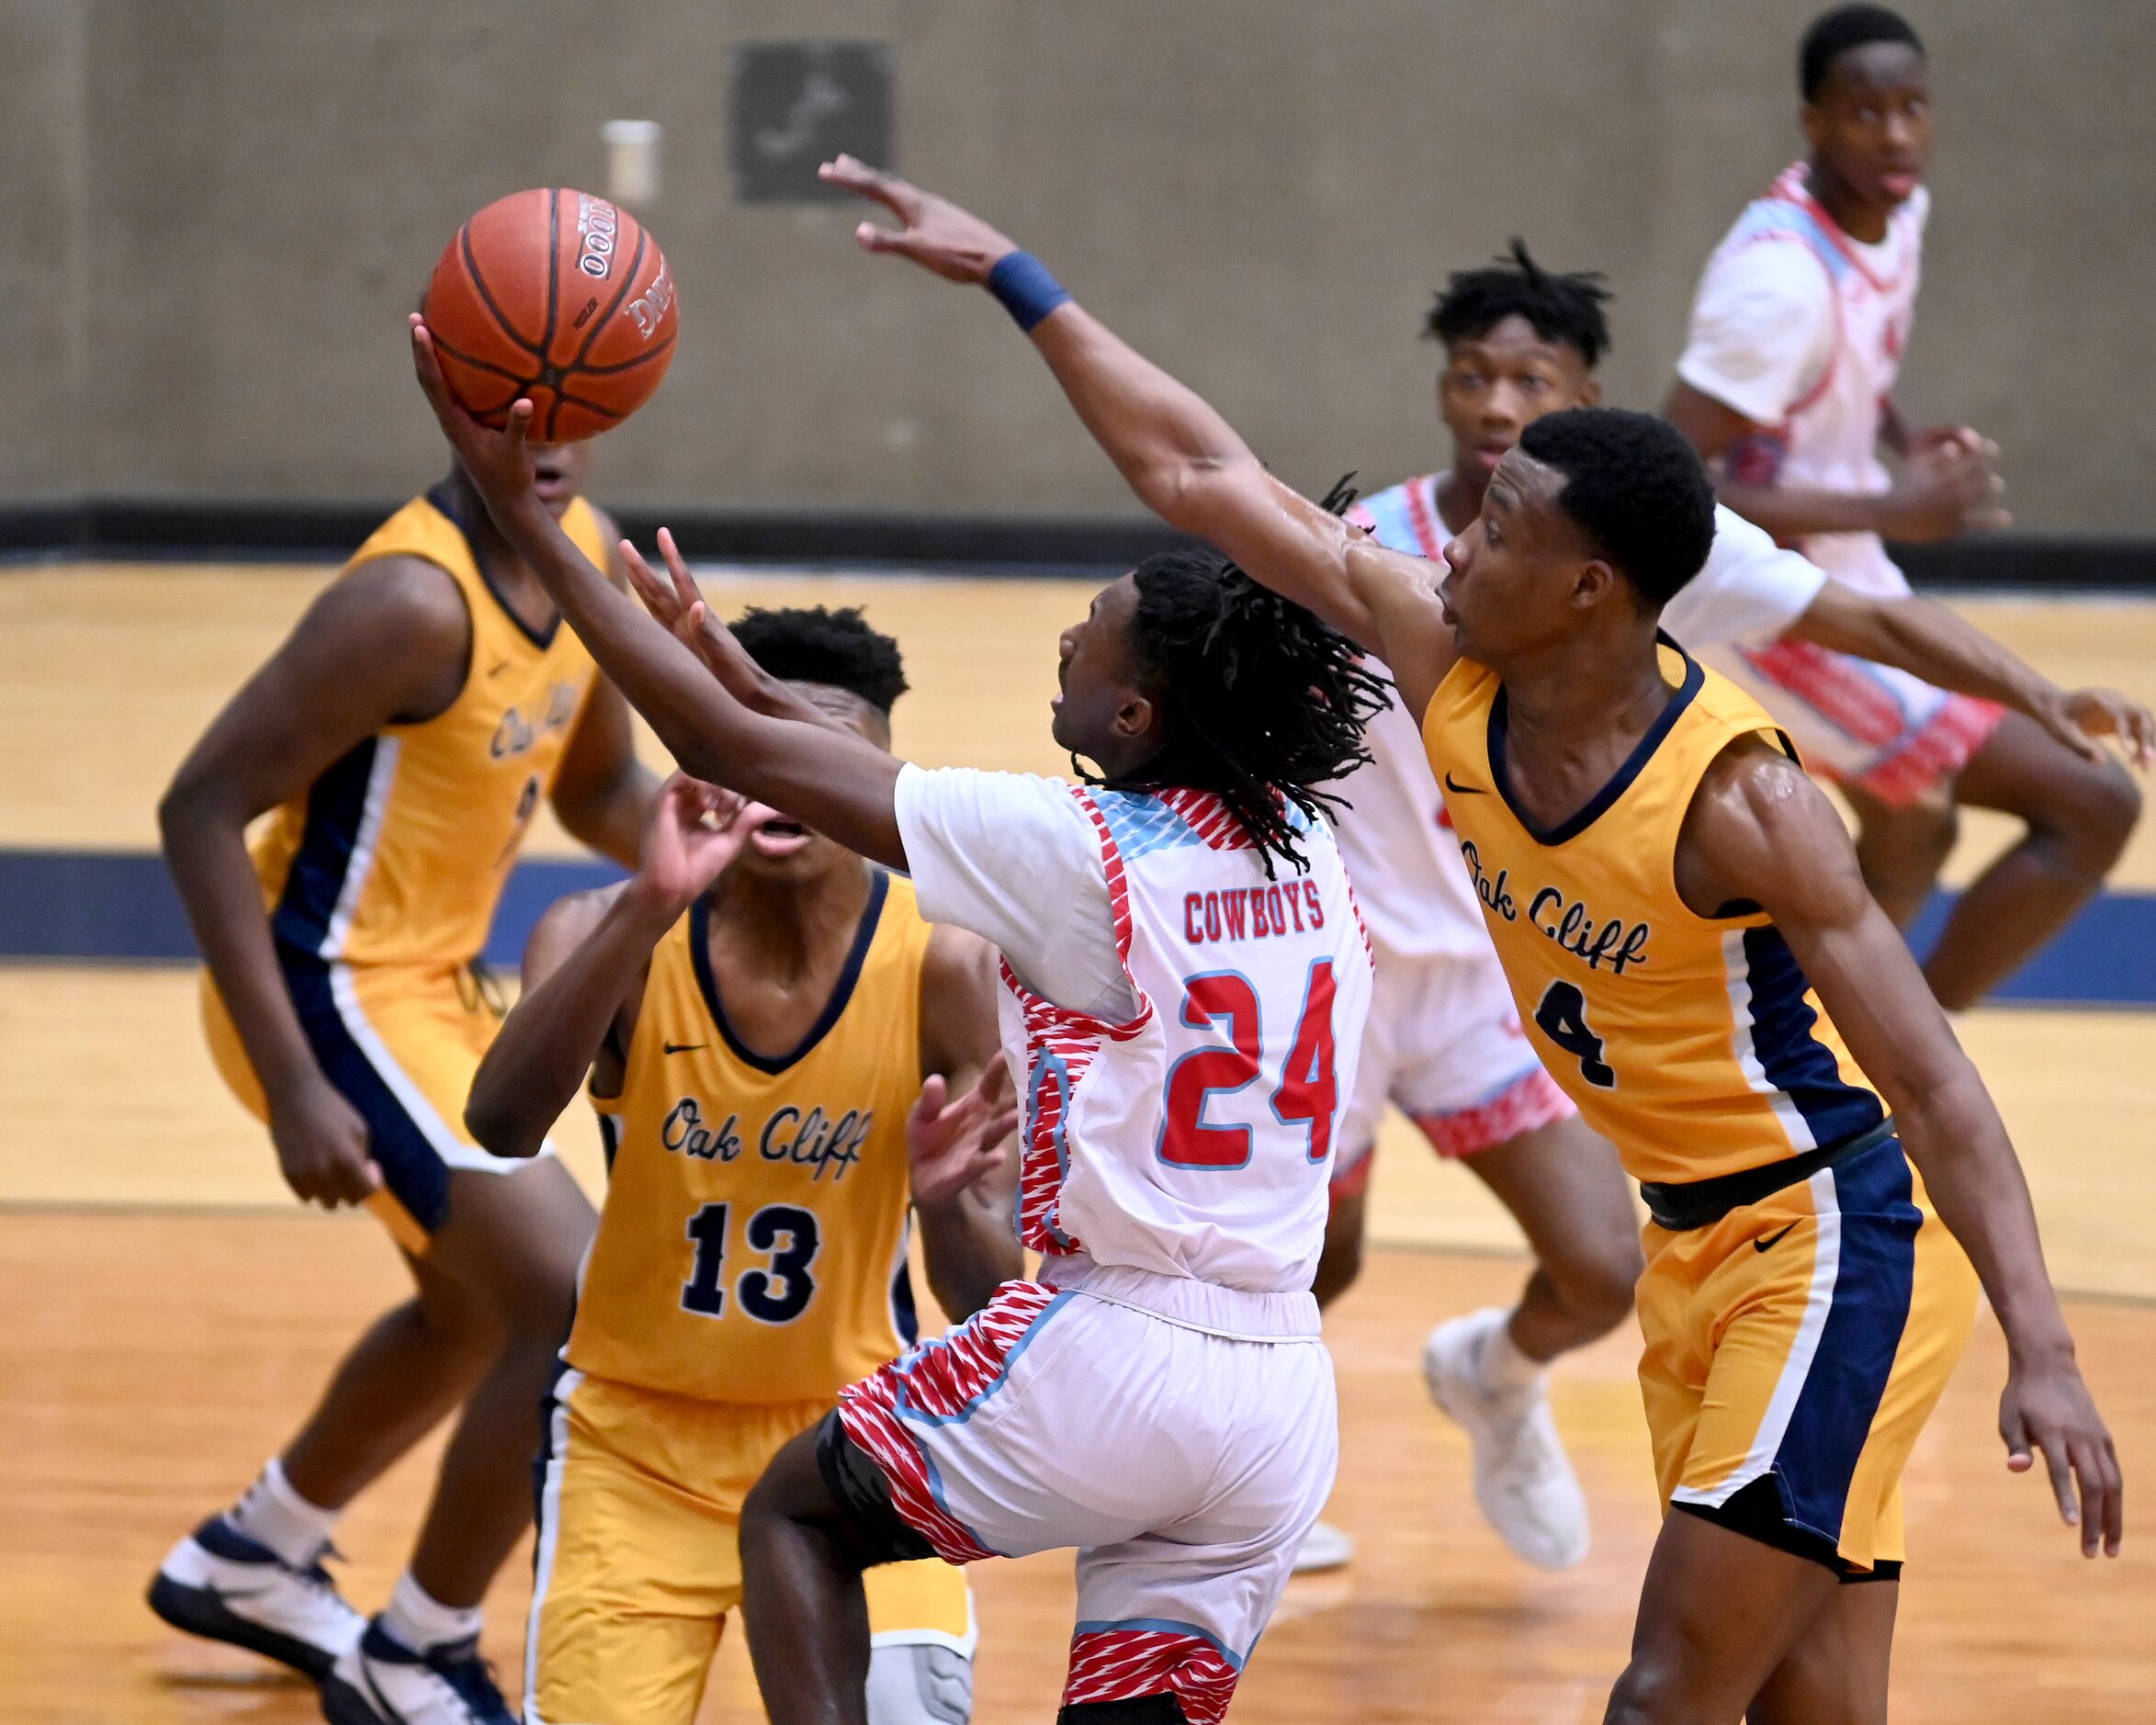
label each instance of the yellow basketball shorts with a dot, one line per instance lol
(401, 1042)
(1804, 1340)
(638, 1557)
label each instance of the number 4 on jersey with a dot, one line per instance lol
(1563, 1018)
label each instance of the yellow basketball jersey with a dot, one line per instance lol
(752, 1245)
(397, 852)
(1694, 1043)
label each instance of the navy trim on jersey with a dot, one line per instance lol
(411, 1168)
(1792, 1059)
(336, 803)
(903, 1310)
(1596, 806)
(451, 508)
(1874, 1277)
(879, 888)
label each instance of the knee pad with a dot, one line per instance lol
(1140, 1710)
(920, 1683)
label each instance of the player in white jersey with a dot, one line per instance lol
(1787, 380)
(1445, 1044)
(1187, 986)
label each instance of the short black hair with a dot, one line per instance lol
(1635, 487)
(1564, 309)
(1261, 702)
(1835, 33)
(815, 644)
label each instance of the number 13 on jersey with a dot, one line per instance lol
(1306, 1093)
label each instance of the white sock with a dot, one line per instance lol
(416, 1619)
(1506, 1369)
(271, 1513)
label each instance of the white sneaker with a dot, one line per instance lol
(1522, 1480)
(219, 1583)
(383, 1682)
(1324, 1546)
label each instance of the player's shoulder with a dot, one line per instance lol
(398, 598)
(1755, 819)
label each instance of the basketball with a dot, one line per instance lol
(559, 296)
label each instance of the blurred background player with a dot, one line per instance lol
(759, 1010)
(1445, 1044)
(1187, 982)
(1786, 382)
(404, 734)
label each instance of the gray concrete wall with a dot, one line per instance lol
(234, 202)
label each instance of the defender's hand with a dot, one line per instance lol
(2107, 713)
(937, 234)
(949, 1145)
(677, 605)
(322, 1145)
(498, 462)
(697, 831)
(2047, 1407)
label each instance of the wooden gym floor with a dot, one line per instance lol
(170, 1314)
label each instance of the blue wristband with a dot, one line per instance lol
(1021, 282)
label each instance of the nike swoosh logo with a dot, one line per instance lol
(496, 670)
(1465, 790)
(1773, 1240)
(682, 1048)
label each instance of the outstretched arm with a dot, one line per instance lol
(1928, 640)
(584, 966)
(830, 779)
(1759, 829)
(1184, 462)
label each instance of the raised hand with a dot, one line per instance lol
(2047, 1407)
(499, 462)
(950, 1144)
(677, 605)
(697, 831)
(935, 232)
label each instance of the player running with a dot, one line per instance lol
(1684, 927)
(1787, 383)
(775, 1039)
(1186, 982)
(404, 735)
(1445, 1044)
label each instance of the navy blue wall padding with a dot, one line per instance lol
(120, 906)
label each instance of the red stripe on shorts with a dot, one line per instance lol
(1123, 1664)
(942, 1378)
(1533, 1100)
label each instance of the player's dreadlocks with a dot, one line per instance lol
(1564, 309)
(1263, 703)
(815, 644)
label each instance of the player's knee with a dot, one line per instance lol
(1597, 1272)
(921, 1685)
(1138, 1709)
(1645, 1696)
(2097, 816)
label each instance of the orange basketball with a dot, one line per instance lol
(559, 296)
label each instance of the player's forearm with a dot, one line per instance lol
(1792, 511)
(547, 1044)
(969, 1250)
(206, 850)
(1159, 432)
(1959, 1144)
(699, 722)
(1929, 641)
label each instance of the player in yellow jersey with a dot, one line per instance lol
(775, 1040)
(1684, 926)
(397, 742)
